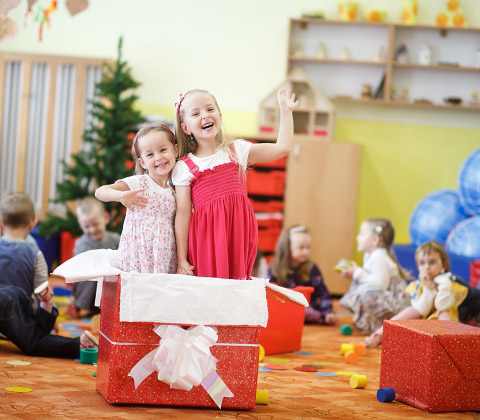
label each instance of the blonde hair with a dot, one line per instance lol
(143, 131)
(433, 246)
(383, 228)
(17, 210)
(281, 260)
(188, 144)
(86, 206)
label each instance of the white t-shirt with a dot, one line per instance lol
(133, 183)
(378, 269)
(182, 176)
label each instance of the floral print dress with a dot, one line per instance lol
(147, 244)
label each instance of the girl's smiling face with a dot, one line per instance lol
(157, 155)
(201, 116)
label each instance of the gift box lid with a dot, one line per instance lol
(176, 298)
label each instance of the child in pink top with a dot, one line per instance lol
(147, 244)
(220, 236)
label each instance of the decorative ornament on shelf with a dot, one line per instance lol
(347, 10)
(410, 12)
(298, 50)
(474, 98)
(452, 15)
(376, 15)
(401, 54)
(425, 55)
(405, 94)
(379, 56)
(345, 55)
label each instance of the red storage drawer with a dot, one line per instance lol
(270, 206)
(279, 163)
(266, 183)
(474, 273)
(267, 238)
(269, 220)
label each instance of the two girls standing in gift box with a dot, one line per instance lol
(217, 239)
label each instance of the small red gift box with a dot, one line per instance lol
(123, 344)
(283, 333)
(432, 365)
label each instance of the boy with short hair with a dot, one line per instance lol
(17, 219)
(22, 270)
(93, 220)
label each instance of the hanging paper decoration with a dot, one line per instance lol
(452, 15)
(76, 6)
(6, 5)
(43, 16)
(8, 27)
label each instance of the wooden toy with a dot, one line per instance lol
(358, 381)
(344, 347)
(346, 329)
(351, 357)
(314, 117)
(262, 396)
(360, 348)
(386, 394)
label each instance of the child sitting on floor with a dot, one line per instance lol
(437, 294)
(292, 267)
(24, 270)
(93, 220)
(378, 289)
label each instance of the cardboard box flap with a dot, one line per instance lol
(283, 294)
(90, 265)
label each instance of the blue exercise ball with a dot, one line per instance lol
(464, 239)
(468, 183)
(435, 216)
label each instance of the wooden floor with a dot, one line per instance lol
(65, 389)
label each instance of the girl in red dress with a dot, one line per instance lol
(219, 237)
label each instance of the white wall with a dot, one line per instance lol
(234, 48)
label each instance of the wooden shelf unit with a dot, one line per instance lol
(342, 79)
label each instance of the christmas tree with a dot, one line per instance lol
(107, 148)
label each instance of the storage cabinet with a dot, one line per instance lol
(364, 53)
(321, 193)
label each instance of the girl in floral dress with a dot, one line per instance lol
(219, 239)
(147, 244)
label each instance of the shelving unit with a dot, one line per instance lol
(342, 79)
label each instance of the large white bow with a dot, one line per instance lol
(183, 360)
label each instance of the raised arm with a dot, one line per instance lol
(123, 194)
(182, 225)
(266, 152)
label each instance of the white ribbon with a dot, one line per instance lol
(183, 360)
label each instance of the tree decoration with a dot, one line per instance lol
(108, 149)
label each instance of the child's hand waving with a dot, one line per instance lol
(286, 99)
(133, 198)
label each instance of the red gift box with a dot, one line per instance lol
(432, 365)
(123, 344)
(283, 333)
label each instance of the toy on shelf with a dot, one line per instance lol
(375, 15)
(401, 54)
(298, 50)
(313, 118)
(347, 10)
(452, 15)
(425, 55)
(410, 12)
(366, 91)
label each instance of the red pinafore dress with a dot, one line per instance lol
(222, 240)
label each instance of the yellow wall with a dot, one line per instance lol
(237, 49)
